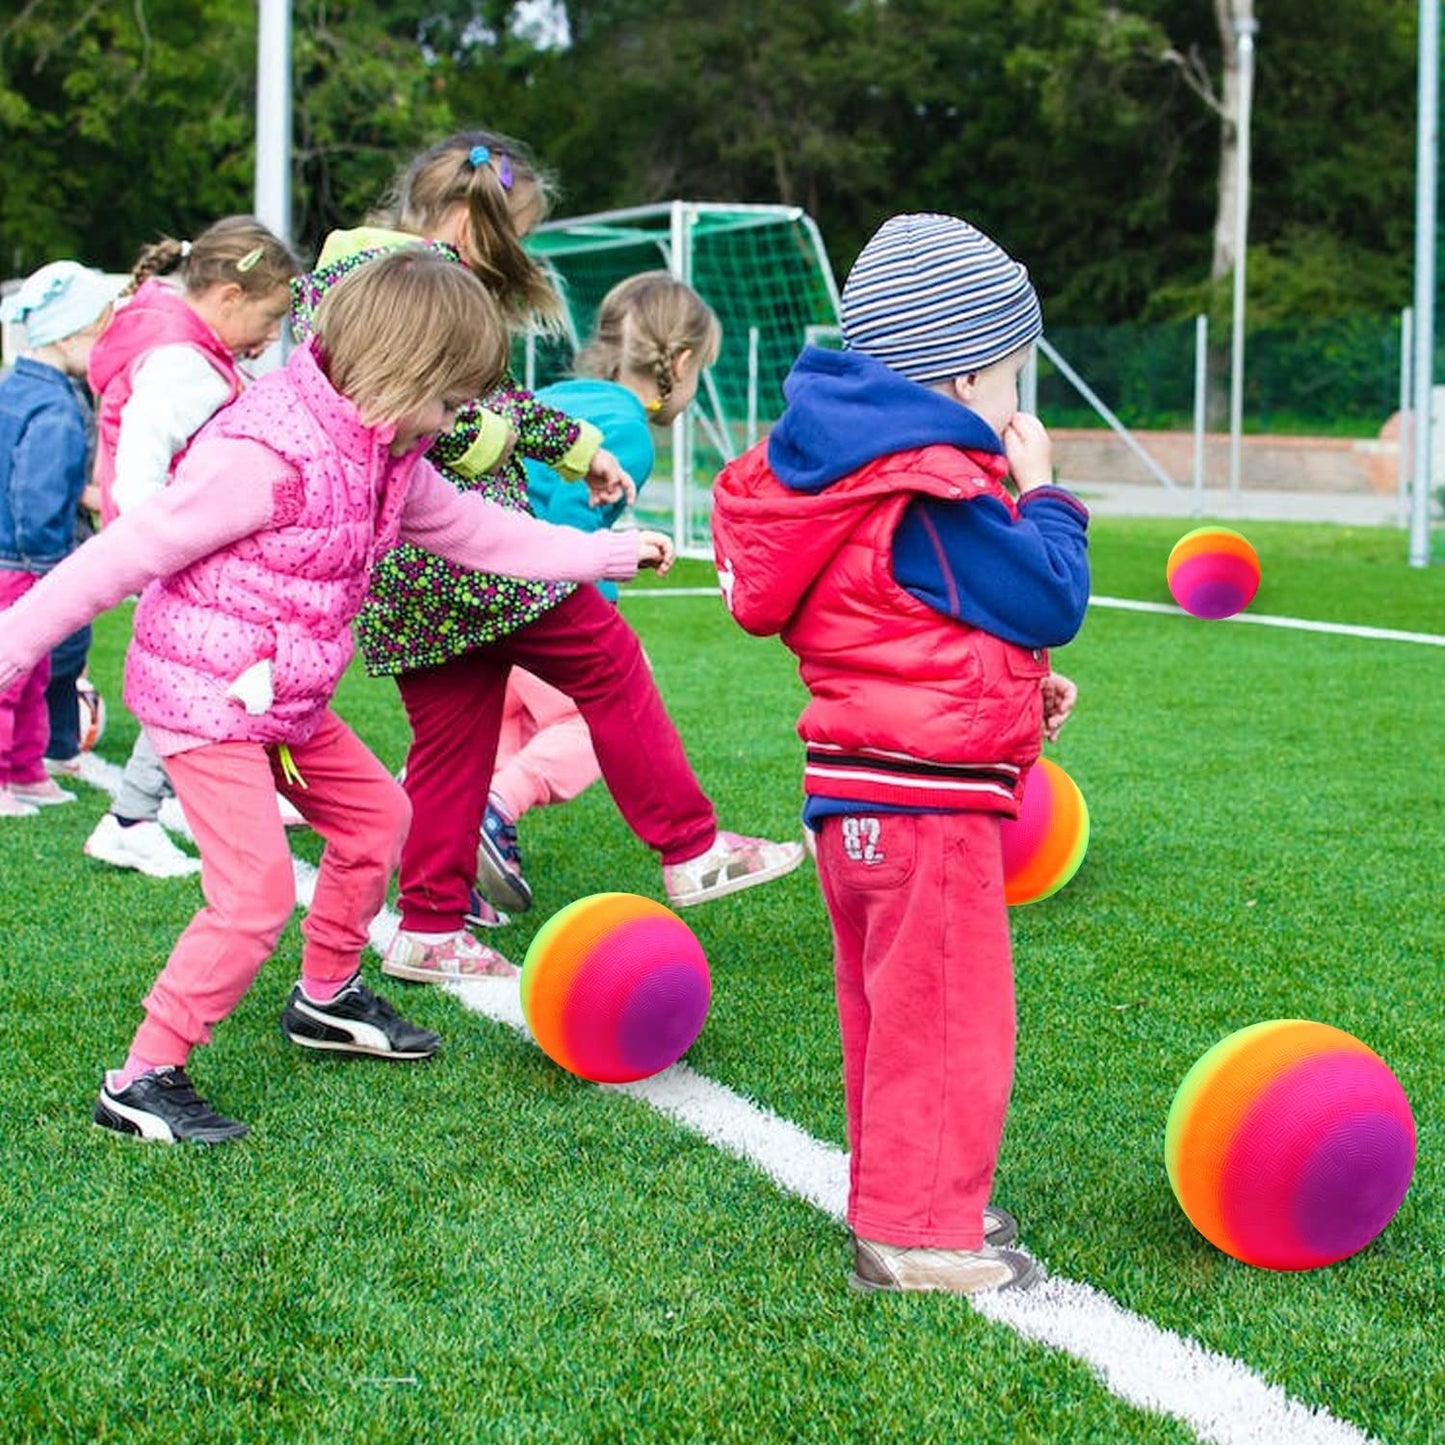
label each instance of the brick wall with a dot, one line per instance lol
(1306, 464)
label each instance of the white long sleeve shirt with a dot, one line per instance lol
(174, 392)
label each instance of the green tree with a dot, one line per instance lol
(122, 121)
(1080, 132)
(125, 119)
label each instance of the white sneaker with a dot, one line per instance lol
(12, 807)
(63, 767)
(145, 846)
(45, 794)
(290, 813)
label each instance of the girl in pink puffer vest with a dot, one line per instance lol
(253, 563)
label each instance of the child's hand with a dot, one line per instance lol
(607, 480)
(509, 448)
(1030, 452)
(654, 549)
(1060, 695)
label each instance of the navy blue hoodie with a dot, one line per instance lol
(1024, 578)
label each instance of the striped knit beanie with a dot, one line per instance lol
(933, 298)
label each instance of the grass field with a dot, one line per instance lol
(487, 1249)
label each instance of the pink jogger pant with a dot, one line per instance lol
(924, 981)
(227, 792)
(544, 751)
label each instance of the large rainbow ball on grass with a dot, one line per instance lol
(1213, 572)
(1290, 1144)
(615, 987)
(1044, 845)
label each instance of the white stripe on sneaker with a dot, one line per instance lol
(147, 1125)
(363, 1036)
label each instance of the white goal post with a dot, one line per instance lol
(762, 268)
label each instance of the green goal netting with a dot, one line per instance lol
(764, 271)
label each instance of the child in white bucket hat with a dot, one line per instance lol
(899, 528)
(45, 431)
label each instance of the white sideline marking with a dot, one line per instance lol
(637, 594)
(1295, 624)
(1220, 1399)
(1127, 604)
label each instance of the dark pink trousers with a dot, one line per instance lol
(924, 980)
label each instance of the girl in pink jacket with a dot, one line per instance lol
(164, 366)
(251, 566)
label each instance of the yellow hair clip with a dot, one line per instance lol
(250, 258)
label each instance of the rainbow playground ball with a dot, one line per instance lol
(92, 713)
(615, 987)
(1044, 845)
(1290, 1144)
(1213, 572)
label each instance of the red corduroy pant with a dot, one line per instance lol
(924, 980)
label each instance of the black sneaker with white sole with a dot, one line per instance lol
(163, 1106)
(356, 1021)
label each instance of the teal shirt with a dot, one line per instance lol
(626, 433)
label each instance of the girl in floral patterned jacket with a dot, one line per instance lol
(451, 637)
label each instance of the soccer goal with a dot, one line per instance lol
(764, 271)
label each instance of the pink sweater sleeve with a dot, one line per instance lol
(465, 529)
(188, 520)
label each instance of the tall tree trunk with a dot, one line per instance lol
(1226, 220)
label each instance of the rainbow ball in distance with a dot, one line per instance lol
(1213, 572)
(1290, 1144)
(91, 706)
(1044, 845)
(615, 987)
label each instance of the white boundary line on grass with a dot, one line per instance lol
(1126, 604)
(1294, 624)
(1220, 1399)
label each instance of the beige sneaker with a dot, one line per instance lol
(12, 807)
(452, 959)
(732, 863)
(44, 794)
(878, 1266)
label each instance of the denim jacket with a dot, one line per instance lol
(44, 464)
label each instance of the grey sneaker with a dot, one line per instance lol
(999, 1226)
(163, 1106)
(878, 1266)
